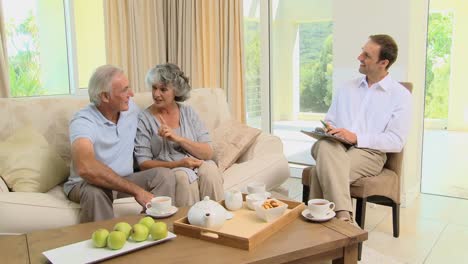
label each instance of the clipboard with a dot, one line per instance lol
(319, 133)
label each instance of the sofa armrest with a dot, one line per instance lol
(265, 144)
(264, 161)
(3, 186)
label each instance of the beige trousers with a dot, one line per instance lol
(338, 166)
(209, 183)
(96, 202)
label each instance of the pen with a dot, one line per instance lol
(325, 125)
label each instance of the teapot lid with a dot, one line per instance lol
(207, 204)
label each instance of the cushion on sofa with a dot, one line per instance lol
(230, 140)
(3, 186)
(29, 164)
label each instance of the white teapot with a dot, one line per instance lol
(208, 214)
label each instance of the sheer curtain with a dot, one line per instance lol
(203, 37)
(4, 77)
(218, 50)
(133, 41)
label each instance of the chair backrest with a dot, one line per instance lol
(394, 160)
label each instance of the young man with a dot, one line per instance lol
(373, 113)
(102, 141)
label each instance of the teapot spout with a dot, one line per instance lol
(208, 220)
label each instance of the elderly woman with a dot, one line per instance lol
(171, 135)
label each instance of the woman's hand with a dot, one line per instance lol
(166, 132)
(190, 162)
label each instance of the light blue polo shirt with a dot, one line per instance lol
(113, 143)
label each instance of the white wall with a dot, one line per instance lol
(406, 22)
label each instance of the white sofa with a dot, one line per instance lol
(22, 212)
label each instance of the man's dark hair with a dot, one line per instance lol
(388, 48)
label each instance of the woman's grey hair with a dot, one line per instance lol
(170, 73)
(101, 82)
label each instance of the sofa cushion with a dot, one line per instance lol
(230, 140)
(28, 164)
(3, 186)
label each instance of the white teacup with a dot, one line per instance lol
(255, 198)
(160, 204)
(320, 207)
(256, 187)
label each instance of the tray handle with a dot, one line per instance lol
(209, 235)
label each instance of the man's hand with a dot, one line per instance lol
(143, 198)
(344, 133)
(190, 162)
(166, 132)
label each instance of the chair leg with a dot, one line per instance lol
(361, 211)
(305, 193)
(360, 218)
(396, 219)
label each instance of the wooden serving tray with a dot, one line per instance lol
(245, 230)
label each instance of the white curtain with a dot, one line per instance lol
(133, 41)
(203, 37)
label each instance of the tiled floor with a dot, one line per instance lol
(433, 229)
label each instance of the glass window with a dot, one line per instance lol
(252, 56)
(52, 48)
(37, 48)
(315, 47)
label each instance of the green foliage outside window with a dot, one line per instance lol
(24, 67)
(439, 43)
(316, 66)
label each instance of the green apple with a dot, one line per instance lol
(99, 237)
(148, 221)
(158, 230)
(139, 232)
(124, 227)
(116, 239)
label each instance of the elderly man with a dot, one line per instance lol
(102, 142)
(371, 112)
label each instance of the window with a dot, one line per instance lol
(52, 46)
(288, 67)
(252, 58)
(315, 60)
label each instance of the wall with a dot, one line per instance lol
(90, 39)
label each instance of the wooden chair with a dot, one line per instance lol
(383, 189)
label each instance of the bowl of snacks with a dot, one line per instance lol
(270, 209)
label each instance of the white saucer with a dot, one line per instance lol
(154, 214)
(229, 215)
(306, 214)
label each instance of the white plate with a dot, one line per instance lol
(154, 214)
(306, 214)
(85, 252)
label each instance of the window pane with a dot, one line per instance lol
(301, 72)
(36, 44)
(315, 47)
(252, 62)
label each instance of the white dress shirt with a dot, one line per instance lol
(379, 115)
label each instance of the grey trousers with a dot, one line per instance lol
(209, 183)
(96, 202)
(338, 166)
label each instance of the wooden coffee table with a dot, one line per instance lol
(299, 242)
(13, 249)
